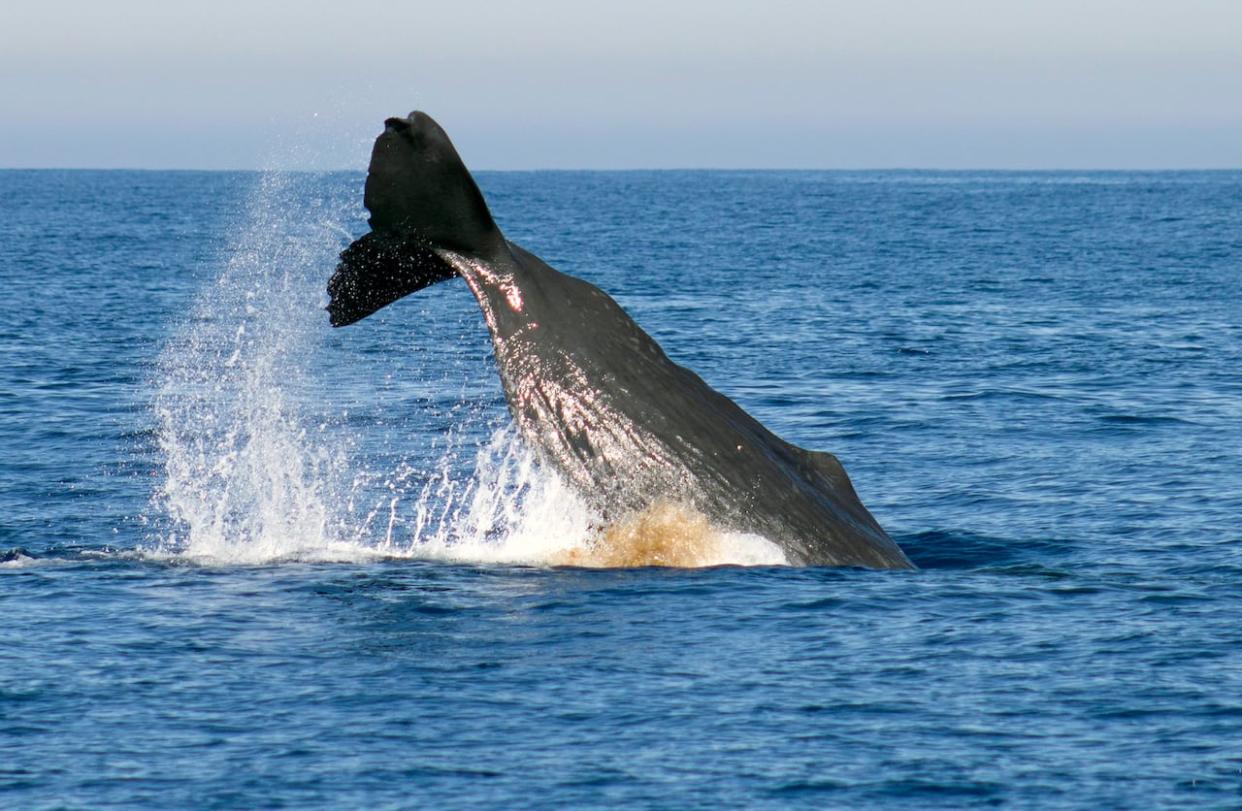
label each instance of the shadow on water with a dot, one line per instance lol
(950, 549)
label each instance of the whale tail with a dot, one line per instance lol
(421, 198)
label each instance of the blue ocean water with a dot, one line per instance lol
(247, 561)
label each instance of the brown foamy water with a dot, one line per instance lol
(665, 534)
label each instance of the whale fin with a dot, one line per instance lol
(376, 270)
(422, 199)
(829, 468)
(417, 182)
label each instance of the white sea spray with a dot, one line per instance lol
(250, 476)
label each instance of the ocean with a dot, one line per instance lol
(250, 561)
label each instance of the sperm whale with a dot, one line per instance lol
(592, 392)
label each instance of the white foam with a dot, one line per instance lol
(748, 549)
(509, 511)
(512, 510)
(20, 561)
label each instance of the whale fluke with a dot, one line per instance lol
(378, 269)
(421, 197)
(418, 184)
(638, 436)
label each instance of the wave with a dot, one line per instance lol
(17, 558)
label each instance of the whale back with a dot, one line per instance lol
(422, 199)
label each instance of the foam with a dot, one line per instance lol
(18, 560)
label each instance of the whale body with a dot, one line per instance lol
(588, 388)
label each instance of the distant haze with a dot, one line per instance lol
(862, 84)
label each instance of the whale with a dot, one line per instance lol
(591, 392)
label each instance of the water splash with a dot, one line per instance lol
(513, 510)
(251, 476)
(245, 481)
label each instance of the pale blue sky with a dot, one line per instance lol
(872, 83)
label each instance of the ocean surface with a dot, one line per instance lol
(249, 561)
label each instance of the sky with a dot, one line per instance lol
(635, 84)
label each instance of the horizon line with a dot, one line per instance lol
(254, 170)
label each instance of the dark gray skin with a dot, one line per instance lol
(592, 392)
